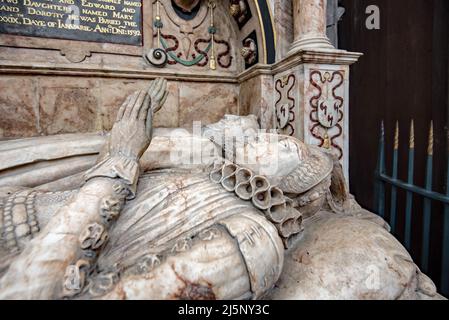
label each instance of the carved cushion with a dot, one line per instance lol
(344, 257)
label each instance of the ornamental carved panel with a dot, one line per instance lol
(325, 109)
(193, 34)
(285, 105)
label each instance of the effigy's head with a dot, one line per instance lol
(286, 161)
(289, 163)
(283, 159)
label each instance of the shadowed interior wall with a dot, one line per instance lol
(402, 76)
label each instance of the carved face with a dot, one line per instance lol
(186, 5)
(287, 162)
(270, 155)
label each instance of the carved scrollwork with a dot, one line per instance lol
(182, 245)
(157, 57)
(285, 105)
(102, 283)
(75, 55)
(326, 109)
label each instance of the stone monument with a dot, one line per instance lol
(265, 210)
(176, 149)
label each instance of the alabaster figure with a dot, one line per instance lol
(223, 213)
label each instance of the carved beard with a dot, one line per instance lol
(186, 5)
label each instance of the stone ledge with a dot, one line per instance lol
(58, 70)
(322, 56)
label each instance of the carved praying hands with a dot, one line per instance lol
(132, 131)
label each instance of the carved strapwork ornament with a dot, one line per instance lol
(285, 106)
(325, 100)
(191, 34)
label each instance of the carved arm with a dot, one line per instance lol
(55, 263)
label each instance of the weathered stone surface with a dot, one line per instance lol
(180, 234)
(283, 19)
(33, 106)
(250, 95)
(113, 94)
(68, 106)
(168, 116)
(18, 107)
(256, 97)
(207, 103)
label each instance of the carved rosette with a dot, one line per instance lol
(325, 99)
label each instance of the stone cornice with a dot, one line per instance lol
(78, 71)
(254, 71)
(322, 56)
(333, 57)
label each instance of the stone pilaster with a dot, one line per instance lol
(311, 90)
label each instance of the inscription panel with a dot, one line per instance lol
(109, 21)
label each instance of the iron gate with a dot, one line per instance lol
(411, 190)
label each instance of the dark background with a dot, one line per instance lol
(403, 75)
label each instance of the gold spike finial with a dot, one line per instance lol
(430, 145)
(412, 134)
(396, 136)
(382, 130)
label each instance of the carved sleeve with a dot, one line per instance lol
(122, 167)
(55, 263)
